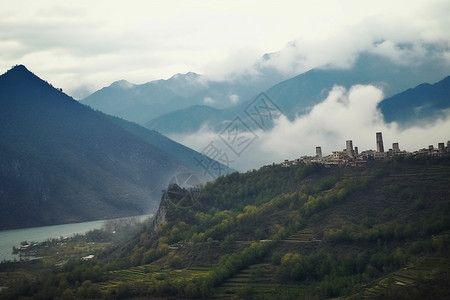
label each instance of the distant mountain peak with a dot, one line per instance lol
(187, 76)
(123, 84)
(18, 68)
(18, 71)
(23, 84)
(19, 77)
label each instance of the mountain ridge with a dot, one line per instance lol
(142, 102)
(297, 95)
(423, 103)
(61, 161)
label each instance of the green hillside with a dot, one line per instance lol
(305, 231)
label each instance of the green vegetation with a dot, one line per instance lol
(304, 231)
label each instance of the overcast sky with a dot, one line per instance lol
(82, 46)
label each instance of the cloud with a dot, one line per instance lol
(82, 91)
(209, 101)
(344, 115)
(82, 45)
(341, 116)
(234, 98)
(342, 48)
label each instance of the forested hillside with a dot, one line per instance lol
(62, 162)
(305, 231)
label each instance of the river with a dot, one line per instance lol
(10, 238)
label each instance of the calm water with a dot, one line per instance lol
(10, 238)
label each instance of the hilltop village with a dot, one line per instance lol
(351, 155)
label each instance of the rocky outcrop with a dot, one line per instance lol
(173, 196)
(160, 217)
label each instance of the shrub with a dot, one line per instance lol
(276, 258)
(418, 204)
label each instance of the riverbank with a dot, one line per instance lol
(27, 240)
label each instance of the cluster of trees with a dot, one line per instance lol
(389, 232)
(238, 190)
(342, 188)
(337, 274)
(74, 280)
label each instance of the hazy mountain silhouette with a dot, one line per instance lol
(61, 161)
(424, 103)
(296, 96)
(143, 102)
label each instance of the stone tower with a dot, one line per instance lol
(380, 147)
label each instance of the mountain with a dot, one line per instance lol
(184, 155)
(191, 119)
(144, 102)
(296, 96)
(61, 161)
(424, 103)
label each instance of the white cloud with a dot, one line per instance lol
(234, 98)
(344, 115)
(81, 45)
(209, 101)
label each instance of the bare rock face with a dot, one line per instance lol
(160, 217)
(174, 195)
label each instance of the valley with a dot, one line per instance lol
(225, 150)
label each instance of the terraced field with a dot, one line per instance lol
(258, 278)
(427, 268)
(410, 276)
(301, 242)
(304, 236)
(145, 273)
(259, 281)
